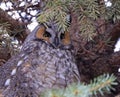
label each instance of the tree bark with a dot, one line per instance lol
(97, 57)
(17, 28)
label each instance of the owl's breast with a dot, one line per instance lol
(51, 69)
(43, 68)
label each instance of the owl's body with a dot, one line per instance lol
(38, 67)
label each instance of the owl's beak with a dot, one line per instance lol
(56, 42)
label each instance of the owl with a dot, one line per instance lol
(46, 61)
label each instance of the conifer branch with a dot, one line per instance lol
(101, 84)
(88, 10)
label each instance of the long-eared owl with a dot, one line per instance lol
(46, 61)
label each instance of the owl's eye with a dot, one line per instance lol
(46, 34)
(62, 36)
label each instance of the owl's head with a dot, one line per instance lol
(51, 36)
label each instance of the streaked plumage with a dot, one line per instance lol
(46, 61)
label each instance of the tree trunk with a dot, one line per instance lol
(97, 57)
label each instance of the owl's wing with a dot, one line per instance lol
(8, 69)
(17, 81)
(19, 85)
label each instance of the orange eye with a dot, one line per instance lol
(46, 34)
(62, 36)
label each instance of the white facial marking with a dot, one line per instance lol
(13, 71)
(7, 82)
(19, 63)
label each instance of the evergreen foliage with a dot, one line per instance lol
(87, 11)
(6, 41)
(55, 10)
(101, 84)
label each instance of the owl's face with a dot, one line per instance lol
(53, 37)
